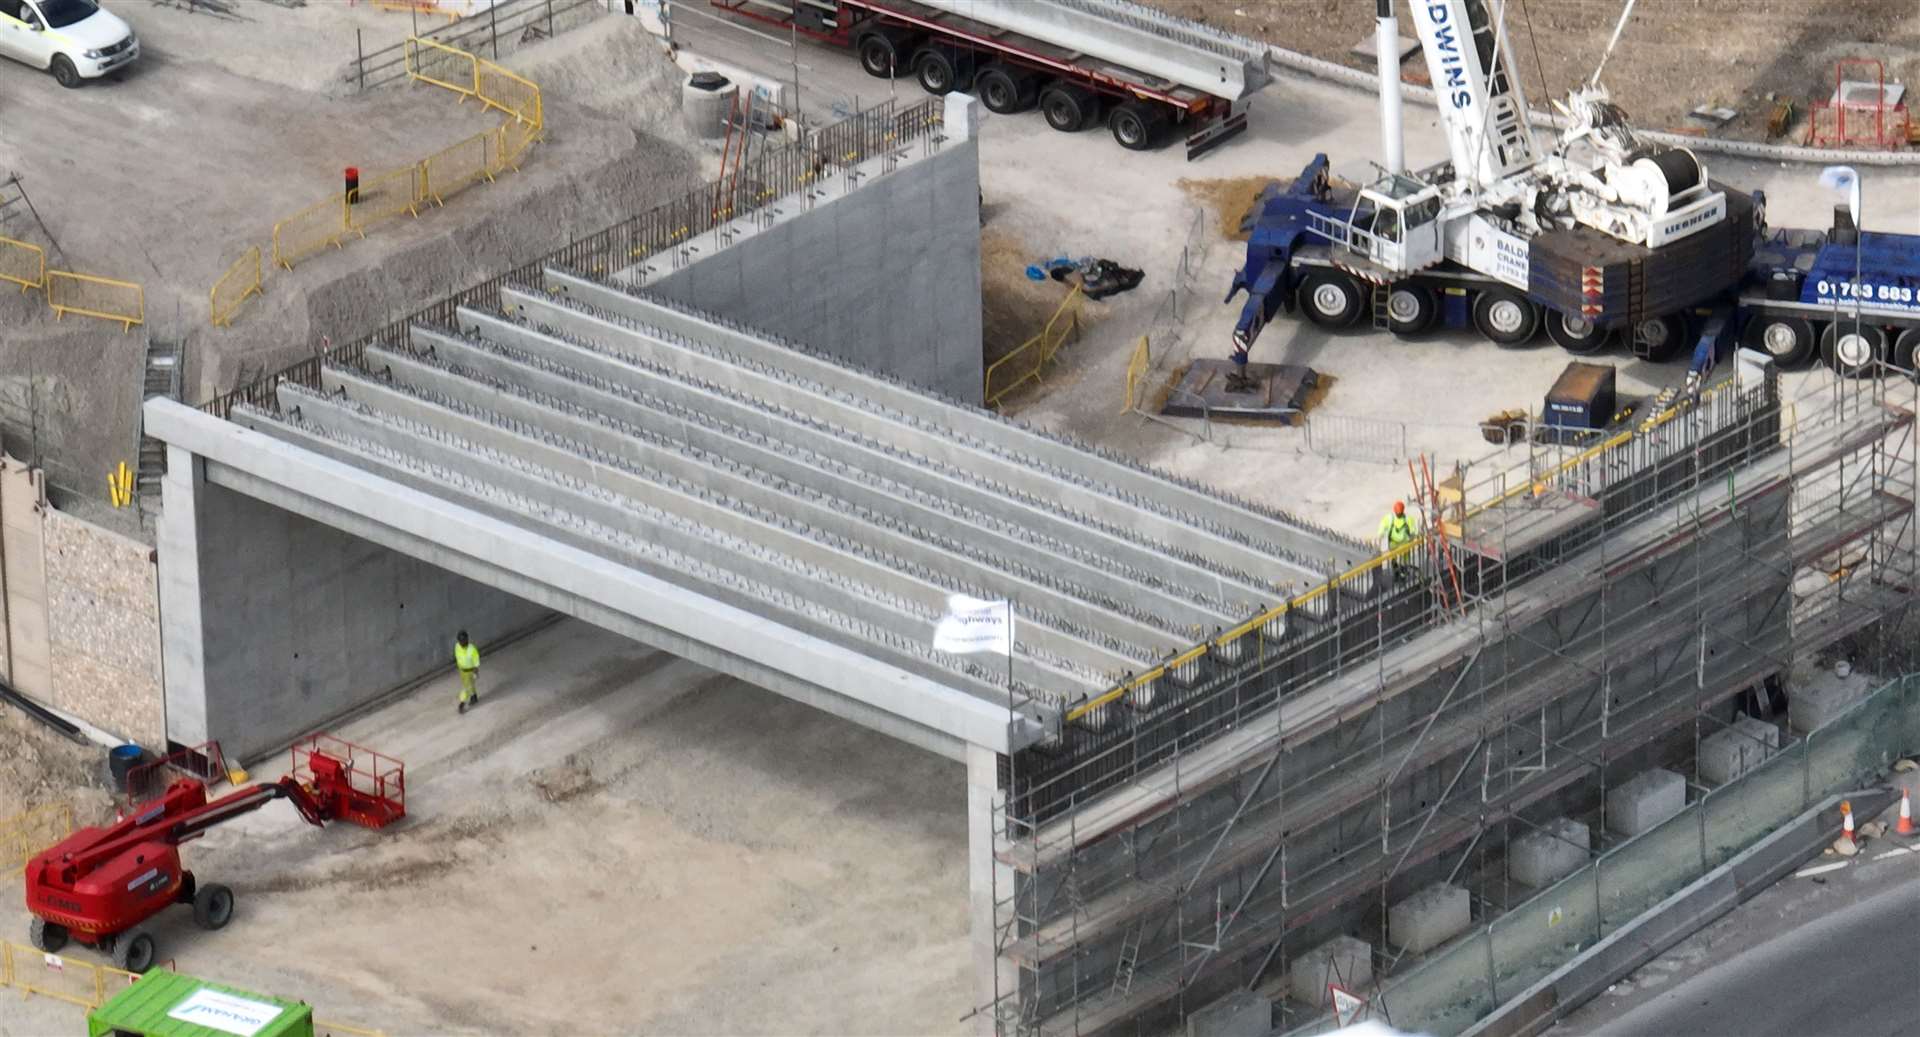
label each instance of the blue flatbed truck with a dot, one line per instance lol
(1791, 296)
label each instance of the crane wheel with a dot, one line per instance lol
(1507, 318)
(1854, 354)
(1905, 348)
(1069, 108)
(1330, 298)
(47, 936)
(1788, 340)
(213, 906)
(1411, 309)
(1660, 339)
(1004, 91)
(1577, 335)
(133, 951)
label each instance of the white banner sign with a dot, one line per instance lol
(974, 625)
(225, 1012)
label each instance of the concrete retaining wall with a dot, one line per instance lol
(320, 623)
(886, 276)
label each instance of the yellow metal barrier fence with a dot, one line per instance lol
(27, 833)
(443, 66)
(1136, 374)
(237, 285)
(450, 169)
(72, 980)
(515, 138)
(1037, 352)
(102, 297)
(23, 264)
(498, 88)
(308, 231)
(384, 196)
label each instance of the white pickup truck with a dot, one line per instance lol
(76, 40)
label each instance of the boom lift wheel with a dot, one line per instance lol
(1852, 353)
(1003, 91)
(1507, 318)
(1788, 340)
(1330, 298)
(1069, 108)
(1577, 334)
(1905, 348)
(47, 936)
(133, 950)
(1137, 124)
(1411, 309)
(213, 907)
(1660, 339)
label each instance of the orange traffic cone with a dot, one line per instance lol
(1905, 827)
(1846, 820)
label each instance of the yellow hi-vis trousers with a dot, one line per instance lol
(468, 679)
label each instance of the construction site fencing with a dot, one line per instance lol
(23, 264)
(29, 832)
(450, 169)
(122, 302)
(1461, 983)
(500, 89)
(1137, 365)
(493, 32)
(666, 230)
(240, 283)
(312, 230)
(1028, 362)
(1224, 681)
(1344, 437)
(204, 763)
(73, 980)
(385, 195)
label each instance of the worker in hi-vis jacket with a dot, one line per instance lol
(466, 657)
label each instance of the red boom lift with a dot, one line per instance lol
(99, 885)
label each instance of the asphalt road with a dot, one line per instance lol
(1853, 972)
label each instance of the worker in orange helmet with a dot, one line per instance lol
(1397, 530)
(466, 658)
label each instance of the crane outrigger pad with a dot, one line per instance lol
(1271, 392)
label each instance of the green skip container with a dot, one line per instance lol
(167, 1004)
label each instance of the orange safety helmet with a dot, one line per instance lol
(1399, 507)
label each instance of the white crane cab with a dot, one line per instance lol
(1394, 226)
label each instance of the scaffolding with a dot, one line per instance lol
(1193, 830)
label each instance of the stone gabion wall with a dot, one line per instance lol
(103, 620)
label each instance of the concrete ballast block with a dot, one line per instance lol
(1645, 800)
(1817, 702)
(1242, 1013)
(1345, 960)
(1544, 857)
(1430, 917)
(1728, 754)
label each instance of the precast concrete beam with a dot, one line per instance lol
(1085, 494)
(869, 582)
(580, 583)
(1292, 536)
(754, 466)
(815, 511)
(958, 485)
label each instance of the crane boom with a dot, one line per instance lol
(1481, 106)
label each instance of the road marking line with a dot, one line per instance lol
(1895, 852)
(1821, 870)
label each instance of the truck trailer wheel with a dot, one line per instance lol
(1411, 309)
(1906, 351)
(883, 53)
(1330, 298)
(1069, 108)
(47, 936)
(1507, 318)
(133, 951)
(1788, 340)
(1577, 335)
(1853, 353)
(1137, 125)
(1005, 92)
(213, 906)
(942, 70)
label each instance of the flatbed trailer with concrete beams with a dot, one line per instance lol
(1080, 62)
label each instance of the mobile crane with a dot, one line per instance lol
(1601, 232)
(99, 885)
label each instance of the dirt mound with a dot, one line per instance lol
(614, 66)
(38, 767)
(1230, 199)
